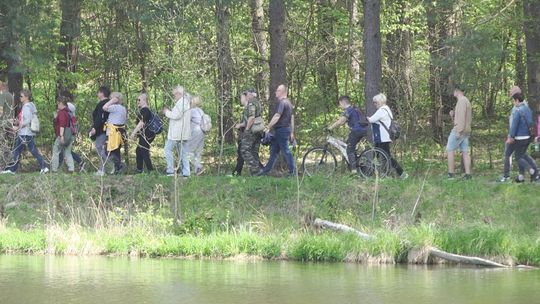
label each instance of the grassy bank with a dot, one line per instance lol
(268, 217)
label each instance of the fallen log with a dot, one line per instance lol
(462, 259)
(431, 250)
(340, 227)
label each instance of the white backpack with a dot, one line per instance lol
(206, 122)
(34, 123)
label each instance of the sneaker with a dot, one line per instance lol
(535, 178)
(100, 173)
(504, 179)
(450, 176)
(44, 170)
(170, 174)
(404, 175)
(467, 177)
(519, 180)
(7, 172)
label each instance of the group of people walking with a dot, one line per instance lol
(188, 125)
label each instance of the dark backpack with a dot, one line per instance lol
(393, 130)
(362, 118)
(155, 125)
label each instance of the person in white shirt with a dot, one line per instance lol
(380, 124)
(179, 132)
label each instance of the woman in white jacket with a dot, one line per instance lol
(380, 124)
(196, 143)
(179, 132)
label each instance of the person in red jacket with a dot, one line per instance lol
(64, 138)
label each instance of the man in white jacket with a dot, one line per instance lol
(179, 132)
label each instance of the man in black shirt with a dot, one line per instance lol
(144, 134)
(99, 117)
(283, 124)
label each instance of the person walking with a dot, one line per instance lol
(357, 124)
(195, 144)
(380, 123)
(519, 137)
(509, 148)
(97, 133)
(115, 130)
(251, 140)
(25, 136)
(179, 132)
(459, 136)
(144, 135)
(64, 137)
(282, 125)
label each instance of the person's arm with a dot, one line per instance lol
(177, 111)
(339, 122)
(516, 116)
(138, 127)
(252, 111)
(378, 115)
(26, 117)
(459, 117)
(274, 120)
(291, 138)
(107, 106)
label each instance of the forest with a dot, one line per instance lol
(412, 50)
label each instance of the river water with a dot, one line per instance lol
(99, 280)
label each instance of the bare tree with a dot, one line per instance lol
(225, 70)
(531, 28)
(260, 45)
(278, 48)
(372, 52)
(68, 51)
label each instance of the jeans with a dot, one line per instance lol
(180, 146)
(352, 141)
(21, 142)
(525, 160)
(142, 152)
(385, 146)
(101, 148)
(58, 149)
(76, 157)
(195, 147)
(280, 143)
(520, 153)
(456, 141)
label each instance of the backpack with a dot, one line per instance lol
(393, 130)
(73, 124)
(206, 122)
(155, 125)
(34, 123)
(362, 117)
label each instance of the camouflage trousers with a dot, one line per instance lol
(249, 148)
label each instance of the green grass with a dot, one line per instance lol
(227, 217)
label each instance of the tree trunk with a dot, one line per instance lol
(278, 49)
(326, 63)
(354, 48)
(372, 52)
(398, 83)
(531, 28)
(68, 51)
(438, 16)
(260, 45)
(225, 71)
(520, 64)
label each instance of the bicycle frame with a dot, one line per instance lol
(338, 144)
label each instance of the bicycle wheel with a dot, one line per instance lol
(319, 161)
(373, 162)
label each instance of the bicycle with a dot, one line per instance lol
(371, 161)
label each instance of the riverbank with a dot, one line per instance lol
(223, 217)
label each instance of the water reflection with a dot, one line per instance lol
(43, 279)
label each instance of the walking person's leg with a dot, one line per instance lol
(239, 159)
(520, 148)
(20, 143)
(69, 157)
(33, 149)
(170, 146)
(184, 158)
(283, 135)
(274, 151)
(57, 152)
(508, 151)
(386, 148)
(352, 141)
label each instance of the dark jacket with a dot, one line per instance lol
(99, 117)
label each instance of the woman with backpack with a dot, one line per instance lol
(145, 132)
(195, 144)
(26, 127)
(380, 124)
